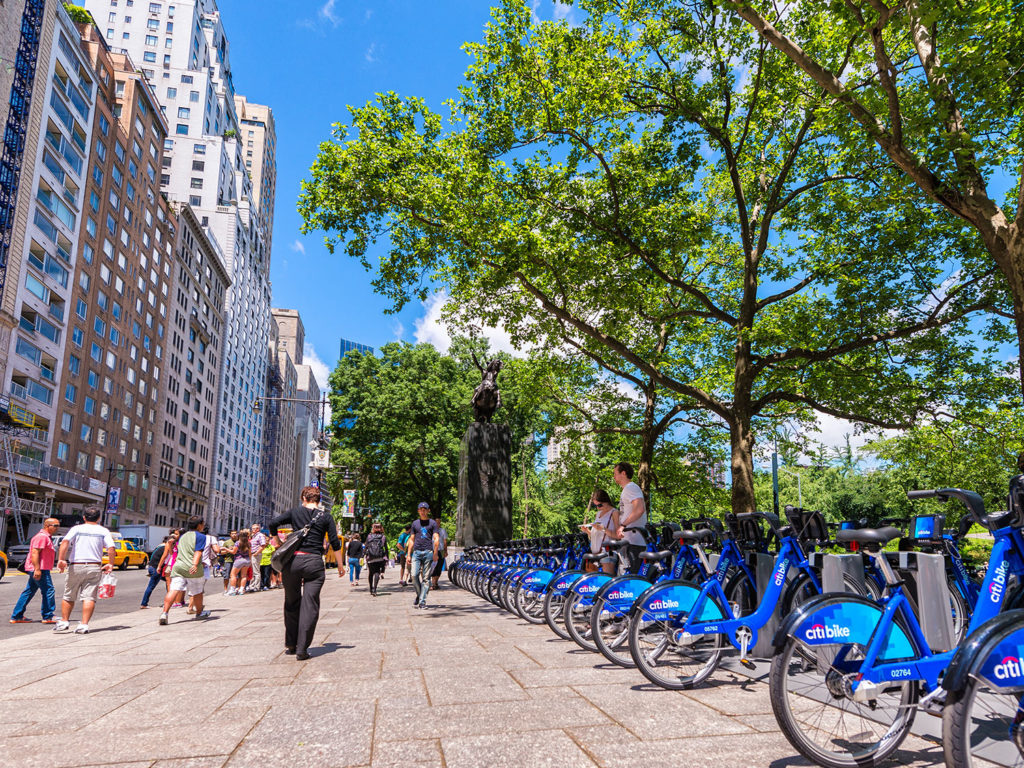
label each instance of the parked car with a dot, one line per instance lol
(126, 554)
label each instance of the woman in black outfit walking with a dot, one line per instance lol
(304, 576)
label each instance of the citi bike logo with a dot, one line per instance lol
(621, 594)
(662, 603)
(1009, 670)
(998, 585)
(586, 589)
(831, 632)
(780, 572)
(533, 580)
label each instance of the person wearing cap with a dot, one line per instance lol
(421, 553)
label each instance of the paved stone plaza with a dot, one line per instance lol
(460, 684)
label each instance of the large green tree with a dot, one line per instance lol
(660, 191)
(933, 87)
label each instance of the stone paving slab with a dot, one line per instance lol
(460, 684)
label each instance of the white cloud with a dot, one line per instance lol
(320, 372)
(369, 14)
(326, 13)
(433, 329)
(398, 329)
(298, 247)
(371, 54)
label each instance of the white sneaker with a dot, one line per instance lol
(163, 619)
(62, 626)
(82, 629)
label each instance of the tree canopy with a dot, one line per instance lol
(654, 190)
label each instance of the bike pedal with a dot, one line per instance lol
(748, 664)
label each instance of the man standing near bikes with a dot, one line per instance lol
(632, 510)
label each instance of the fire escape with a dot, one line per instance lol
(17, 125)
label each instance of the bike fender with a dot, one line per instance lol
(588, 586)
(562, 582)
(670, 598)
(621, 592)
(993, 652)
(842, 618)
(536, 580)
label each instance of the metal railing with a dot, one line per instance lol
(23, 465)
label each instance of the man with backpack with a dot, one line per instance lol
(375, 552)
(191, 568)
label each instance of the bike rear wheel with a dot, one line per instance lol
(577, 621)
(530, 605)
(609, 628)
(979, 727)
(666, 656)
(553, 605)
(813, 704)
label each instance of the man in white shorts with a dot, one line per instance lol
(81, 555)
(191, 568)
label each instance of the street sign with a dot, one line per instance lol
(321, 459)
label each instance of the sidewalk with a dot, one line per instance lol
(460, 684)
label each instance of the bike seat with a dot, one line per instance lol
(692, 537)
(619, 544)
(591, 557)
(653, 557)
(869, 535)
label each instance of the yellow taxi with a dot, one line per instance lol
(125, 554)
(3, 564)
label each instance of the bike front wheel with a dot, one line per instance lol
(530, 605)
(813, 704)
(553, 605)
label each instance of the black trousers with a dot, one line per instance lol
(375, 568)
(303, 579)
(265, 576)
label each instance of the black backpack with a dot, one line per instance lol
(374, 547)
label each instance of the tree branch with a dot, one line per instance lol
(792, 397)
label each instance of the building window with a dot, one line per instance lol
(151, 40)
(196, 183)
(183, 113)
(195, 201)
(181, 129)
(62, 451)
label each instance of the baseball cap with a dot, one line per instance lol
(423, 505)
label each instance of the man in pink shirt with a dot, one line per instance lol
(38, 566)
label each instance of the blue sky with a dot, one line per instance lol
(308, 61)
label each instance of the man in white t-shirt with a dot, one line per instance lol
(632, 509)
(81, 555)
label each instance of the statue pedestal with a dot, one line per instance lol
(485, 485)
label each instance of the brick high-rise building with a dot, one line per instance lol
(110, 409)
(184, 54)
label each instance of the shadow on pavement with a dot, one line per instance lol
(326, 648)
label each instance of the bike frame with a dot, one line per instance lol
(1007, 559)
(790, 556)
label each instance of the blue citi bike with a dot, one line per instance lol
(849, 674)
(678, 630)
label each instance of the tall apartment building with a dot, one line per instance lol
(110, 409)
(191, 389)
(278, 489)
(307, 417)
(183, 52)
(258, 138)
(47, 129)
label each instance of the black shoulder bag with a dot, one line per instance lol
(283, 555)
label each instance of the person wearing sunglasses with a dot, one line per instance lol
(38, 566)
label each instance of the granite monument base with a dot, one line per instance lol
(485, 485)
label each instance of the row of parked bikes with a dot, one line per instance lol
(850, 668)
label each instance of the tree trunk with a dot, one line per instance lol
(741, 441)
(648, 438)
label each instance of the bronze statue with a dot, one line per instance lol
(486, 398)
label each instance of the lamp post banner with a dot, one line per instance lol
(349, 507)
(113, 498)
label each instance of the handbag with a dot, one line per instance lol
(283, 555)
